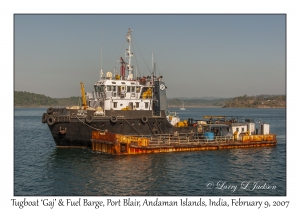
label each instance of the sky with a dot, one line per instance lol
(198, 55)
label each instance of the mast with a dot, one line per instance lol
(101, 72)
(153, 68)
(129, 54)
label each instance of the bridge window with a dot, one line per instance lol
(137, 104)
(138, 89)
(108, 87)
(146, 105)
(133, 89)
(101, 88)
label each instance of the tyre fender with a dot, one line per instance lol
(44, 118)
(50, 120)
(113, 119)
(89, 119)
(50, 110)
(144, 119)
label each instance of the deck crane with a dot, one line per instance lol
(83, 96)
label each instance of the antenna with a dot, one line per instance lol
(153, 66)
(101, 72)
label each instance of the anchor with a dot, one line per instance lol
(62, 131)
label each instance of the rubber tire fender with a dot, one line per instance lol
(113, 119)
(89, 119)
(50, 120)
(44, 118)
(50, 110)
(144, 119)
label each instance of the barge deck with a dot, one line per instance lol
(117, 144)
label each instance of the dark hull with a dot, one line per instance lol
(70, 130)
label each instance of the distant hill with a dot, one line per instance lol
(26, 99)
(193, 102)
(261, 101)
(204, 97)
(23, 98)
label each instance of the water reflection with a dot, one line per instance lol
(42, 169)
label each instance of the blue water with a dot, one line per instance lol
(41, 169)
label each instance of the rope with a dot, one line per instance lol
(104, 130)
(127, 122)
(142, 57)
(89, 125)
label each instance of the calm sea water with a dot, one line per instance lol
(41, 169)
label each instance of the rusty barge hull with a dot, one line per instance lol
(116, 144)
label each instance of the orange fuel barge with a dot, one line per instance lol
(117, 144)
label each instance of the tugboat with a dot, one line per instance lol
(120, 103)
(135, 108)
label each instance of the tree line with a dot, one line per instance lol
(27, 99)
(260, 101)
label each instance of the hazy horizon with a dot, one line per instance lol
(222, 56)
(180, 97)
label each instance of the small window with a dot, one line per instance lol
(114, 88)
(137, 104)
(128, 89)
(237, 129)
(123, 88)
(115, 104)
(146, 105)
(108, 88)
(133, 89)
(243, 129)
(138, 88)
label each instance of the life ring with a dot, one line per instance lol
(113, 119)
(89, 119)
(50, 120)
(50, 110)
(144, 119)
(44, 118)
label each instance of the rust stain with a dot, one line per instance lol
(255, 138)
(117, 144)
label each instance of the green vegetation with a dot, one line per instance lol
(175, 102)
(27, 99)
(261, 101)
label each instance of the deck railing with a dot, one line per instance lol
(188, 139)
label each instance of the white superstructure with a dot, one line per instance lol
(123, 91)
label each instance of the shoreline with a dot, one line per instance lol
(170, 107)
